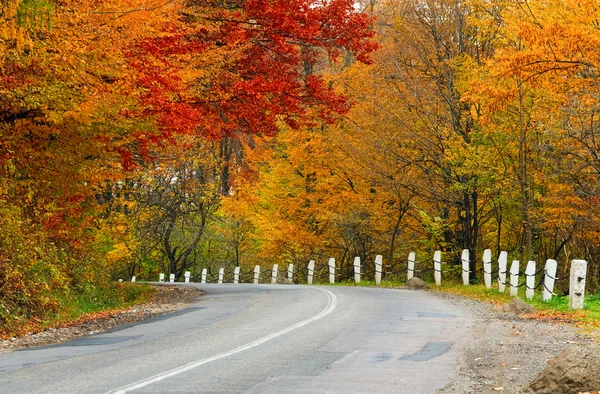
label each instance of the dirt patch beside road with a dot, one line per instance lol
(169, 298)
(505, 352)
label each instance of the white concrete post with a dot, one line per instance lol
(549, 276)
(437, 267)
(291, 272)
(487, 268)
(187, 276)
(204, 272)
(161, 277)
(577, 284)
(274, 273)
(221, 274)
(529, 279)
(502, 263)
(236, 275)
(332, 270)
(172, 278)
(514, 278)
(311, 272)
(464, 258)
(378, 268)
(357, 269)
(256, 274)
(133, 278)
(411, 265)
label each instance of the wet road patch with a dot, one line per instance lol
(381, 357)
(430, 351)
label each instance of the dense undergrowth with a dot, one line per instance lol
(48, 281)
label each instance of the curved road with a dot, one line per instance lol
(260, 339)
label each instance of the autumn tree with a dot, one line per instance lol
(543, 77)
(57, 144)
(180, 196)
(256, 71)
(475, 127)
(412, 110)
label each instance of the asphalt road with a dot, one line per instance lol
(260, 339)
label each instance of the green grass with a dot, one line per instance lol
(114, 296)
(557, 309)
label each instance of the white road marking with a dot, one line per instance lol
(331, 305)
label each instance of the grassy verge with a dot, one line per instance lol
(85, 303)
(556, 309)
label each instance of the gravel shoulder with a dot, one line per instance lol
(169, 298)
(505, 352)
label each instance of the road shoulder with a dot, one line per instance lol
(505, 352)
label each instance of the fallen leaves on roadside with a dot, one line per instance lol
(555, 316)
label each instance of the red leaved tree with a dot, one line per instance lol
(230, 67)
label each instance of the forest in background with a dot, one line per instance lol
(145, 136)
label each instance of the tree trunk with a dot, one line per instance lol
(474, 240)
(524, 178)
(169, 250)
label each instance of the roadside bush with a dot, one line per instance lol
(32, 278)
(42, 283)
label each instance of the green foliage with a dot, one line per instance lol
(91, 297)
(434, 227)
(131, 293)
(35, 14)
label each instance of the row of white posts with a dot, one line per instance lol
(576, 288)
(290, 272)
(161, 277)
(576, 278)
